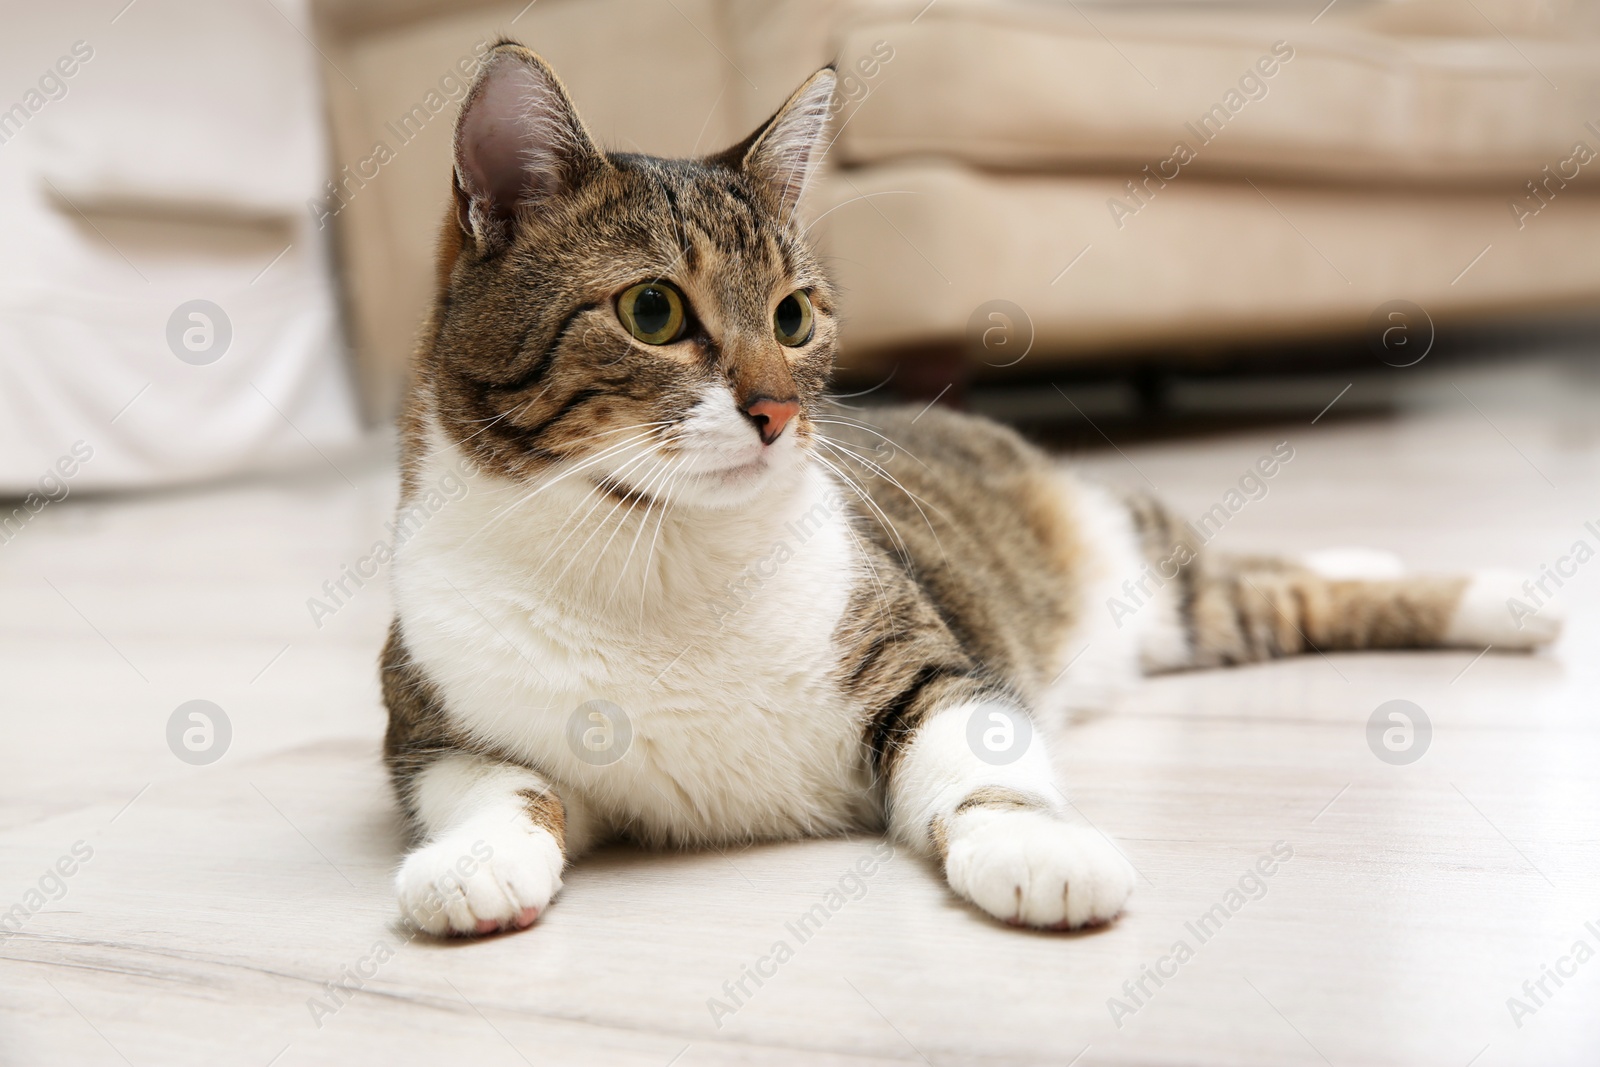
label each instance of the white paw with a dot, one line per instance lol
(485, 876)
(1031, 869)
(1496, 609)
(1343, 564)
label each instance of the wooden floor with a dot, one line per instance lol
(221, 900)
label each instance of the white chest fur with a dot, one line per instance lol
(707, 635)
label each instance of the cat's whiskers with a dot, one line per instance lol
(540, 487)
(839, 398)
(661, 520)
(602, 496)
(505, 414)
(474, 422)
(663, 504)
(450, 444)
(882, 471)
(841, 420)
(885, 607)
(916, 501)
(575, 520)
(536, 398)
(646, 427)
(654, 500)
(885, 611)
(622, 429)
(634, 496)
(877, 512)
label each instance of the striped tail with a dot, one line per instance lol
(1245, 609)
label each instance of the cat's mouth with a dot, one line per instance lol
(733, 476)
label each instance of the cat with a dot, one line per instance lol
(690, 600)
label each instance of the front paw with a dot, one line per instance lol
(1029, 868)
(480, 878)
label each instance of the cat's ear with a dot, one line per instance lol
(519, 141)
(785, 151)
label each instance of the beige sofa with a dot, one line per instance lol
(1123, 177)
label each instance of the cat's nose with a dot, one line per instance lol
(771, 416)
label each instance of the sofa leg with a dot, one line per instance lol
(1153, 388)
(934, 373)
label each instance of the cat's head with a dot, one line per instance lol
(661, 321)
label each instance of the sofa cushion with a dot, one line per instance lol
(1350, 98)
(917, 248)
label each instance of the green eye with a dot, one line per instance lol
(652, 312)
(791, 322)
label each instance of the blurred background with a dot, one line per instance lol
(218, 219)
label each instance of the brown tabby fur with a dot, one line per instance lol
(975, 560)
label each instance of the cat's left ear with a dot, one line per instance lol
(785, 152)
(519, 142)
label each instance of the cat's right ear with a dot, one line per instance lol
(519, 142)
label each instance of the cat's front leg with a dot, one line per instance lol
(973, 788)
(497, 836)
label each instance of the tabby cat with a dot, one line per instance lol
(689, 600)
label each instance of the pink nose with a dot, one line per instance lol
(771, 416)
